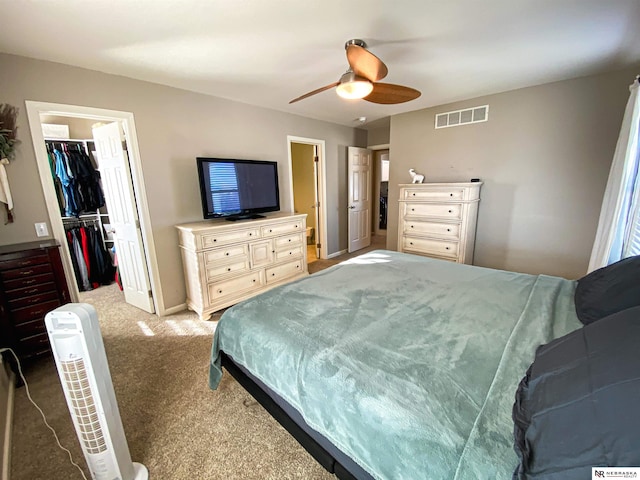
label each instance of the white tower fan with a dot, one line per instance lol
(78, 350)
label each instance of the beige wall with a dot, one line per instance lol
(378, 136)
(79, 128)
(174, 127)
(544, 157)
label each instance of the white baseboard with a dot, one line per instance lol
(337, 254)
(6, 443)
(176, 309)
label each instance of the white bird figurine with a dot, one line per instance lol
(415, 176)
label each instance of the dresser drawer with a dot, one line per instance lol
(429, 246)
(217, 254)
(26, 314)
(29, 282)
(26, 272)
(24, 262)
(435, 194)
(33, 300)
(29, 329)
(280, 272)
(286, 242)
(281, 228)
(224, 238)
(293, 252)
(233, 286)
(448, 211)
(34, 345)
(34, 289)
(215, 271)
(445, 230)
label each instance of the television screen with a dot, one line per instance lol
(238, 189)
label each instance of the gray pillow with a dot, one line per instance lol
(608, 290)
(577, 406)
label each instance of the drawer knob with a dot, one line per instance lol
(270, 230)
(289, 239)
(229, 269)
(410, 243)
(447, 248)
(273, 274)
(296, 226)
(26, 272)
(227, 254)
(450, 211)
(250, 233)
(451, 194)
(290, 253)
(411, 226)
(215, 240)
(219, 291)
(29, 282)
(254, 280)
(413, 194)
(448, 229)
(413, 209)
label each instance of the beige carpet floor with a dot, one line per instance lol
(175, 425)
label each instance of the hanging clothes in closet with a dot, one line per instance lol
(91, 262)
(77, 181)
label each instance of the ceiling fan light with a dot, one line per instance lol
(353, 86)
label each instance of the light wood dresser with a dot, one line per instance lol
(226, 262)
(439, 220)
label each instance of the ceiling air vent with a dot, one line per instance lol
(462, 117)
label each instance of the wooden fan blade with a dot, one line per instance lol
(321, 89)
(365, 63)
(388, 93)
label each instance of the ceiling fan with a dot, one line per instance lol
(361, 79)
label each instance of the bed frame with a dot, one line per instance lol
(343, 468)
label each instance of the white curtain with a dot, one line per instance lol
(618, 234)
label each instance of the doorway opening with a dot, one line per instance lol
(307, 180)
(125, 198)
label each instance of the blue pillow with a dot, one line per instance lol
(577, 406)
(608, 290)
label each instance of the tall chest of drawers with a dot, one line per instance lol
(439, 220)
(227, 262)
(32, 283)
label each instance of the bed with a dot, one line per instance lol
(392, 365)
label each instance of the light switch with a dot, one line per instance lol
(41, 229)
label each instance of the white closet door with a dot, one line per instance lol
(359, 198)
(114, 169)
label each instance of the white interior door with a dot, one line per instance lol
(123, 215)
(359, 198)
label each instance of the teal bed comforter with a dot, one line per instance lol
(409, 365)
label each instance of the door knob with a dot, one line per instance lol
(352, 207)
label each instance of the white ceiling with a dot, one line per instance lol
(267, 52)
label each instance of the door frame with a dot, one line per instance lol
(34, 110)
(322, 186)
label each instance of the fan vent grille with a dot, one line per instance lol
(462, 117)
(84, 408)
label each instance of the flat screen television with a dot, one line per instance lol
(238, 189)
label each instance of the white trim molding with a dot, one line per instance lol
(34, 110)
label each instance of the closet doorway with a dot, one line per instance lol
(116, 146)
(307, 181)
